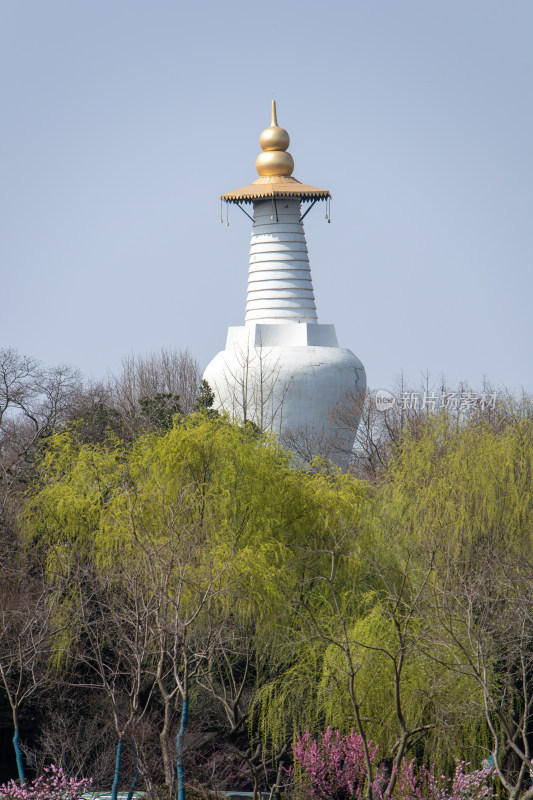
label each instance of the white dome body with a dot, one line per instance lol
(294, 389)
(281, 369)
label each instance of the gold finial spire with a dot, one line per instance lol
(275, 167)
(274, 142)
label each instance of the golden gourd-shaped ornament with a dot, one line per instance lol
(274, 160)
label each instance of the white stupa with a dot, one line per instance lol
(282, 369)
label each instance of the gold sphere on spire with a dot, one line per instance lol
(274, 142)
(274, 163)
(274, 138)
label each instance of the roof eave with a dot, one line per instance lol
(265, 188)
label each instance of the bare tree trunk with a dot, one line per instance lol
(18, 751)
(164, 738)
(116, 779)
(180, 765)
(135, 775)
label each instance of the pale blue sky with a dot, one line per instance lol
(122, 121)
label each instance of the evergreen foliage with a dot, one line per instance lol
(206, 399)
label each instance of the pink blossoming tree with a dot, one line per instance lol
(52, 785)
(419, 783)
(332, 766)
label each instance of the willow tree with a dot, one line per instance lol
(211, 518)
(463, 490)
(361, 664)
(376, 651)
(466, 485)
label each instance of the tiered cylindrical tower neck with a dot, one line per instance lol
(279, 280)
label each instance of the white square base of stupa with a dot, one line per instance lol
(288, 334)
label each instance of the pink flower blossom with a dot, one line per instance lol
(52, 785)
(420, 783)
(333, 766)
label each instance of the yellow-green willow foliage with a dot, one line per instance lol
(466, 485)
(364, 645)
(218, 489)
(368, 637)
(456, 506)
(397, 673)
(338, 584)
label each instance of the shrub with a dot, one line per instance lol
(419, 783)
(332, 766)
(53, 784)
